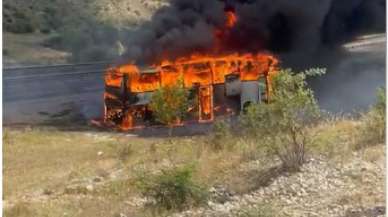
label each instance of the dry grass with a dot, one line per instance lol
(40, 161)
(373, 154)
(338, 139)
(18, 210)
(335, 139)
(36, 159)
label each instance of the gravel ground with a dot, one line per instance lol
(352, 189)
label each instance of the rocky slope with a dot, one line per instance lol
(323, 188)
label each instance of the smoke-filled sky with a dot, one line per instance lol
(294, 28)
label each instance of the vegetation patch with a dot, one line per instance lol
(173, 189)
(170, 104)
(222, 136)
(282, 126)
(372, 129)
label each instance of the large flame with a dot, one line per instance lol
(195, 69)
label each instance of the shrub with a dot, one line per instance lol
(173, 189)
(19, 20)
(221, 136)
(50, 19)
(124, 152)
(54, 41)
(19, 26)
(169, 104)
(282, 125)
(372, 129)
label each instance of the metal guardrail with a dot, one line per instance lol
(366, 41)
(10, 78)
(31, 72)
(54, 66)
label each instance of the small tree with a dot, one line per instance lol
(170, 104)
(282, 125)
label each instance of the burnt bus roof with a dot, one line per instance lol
(148, 70)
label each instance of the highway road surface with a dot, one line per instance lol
(42, 94)
(351, 83)
(33, 95)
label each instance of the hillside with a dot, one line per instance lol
(54, 29)
(27, 49)
(44, 15)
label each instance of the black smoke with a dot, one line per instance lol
(295, 29)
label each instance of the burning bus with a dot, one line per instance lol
(221, 84)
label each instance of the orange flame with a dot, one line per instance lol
(195, 69)
(231, 19)
(221, 33)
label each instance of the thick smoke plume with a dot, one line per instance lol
(294, 28)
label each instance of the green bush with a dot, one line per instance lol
(169, 104)
(173, 189)
(372, 129)
(19, 26)
(282, 125)
(19, 20)
(50, 19)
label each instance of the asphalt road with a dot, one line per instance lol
(40, 94)
(351, 83)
